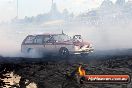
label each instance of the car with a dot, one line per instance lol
(57, 44)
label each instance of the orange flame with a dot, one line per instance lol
(81, 71)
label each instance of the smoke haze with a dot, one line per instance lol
(108, 27)
(104, 37)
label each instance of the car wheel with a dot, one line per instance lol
(63, 52)
(32, 53)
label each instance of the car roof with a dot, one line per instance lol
(45, 34)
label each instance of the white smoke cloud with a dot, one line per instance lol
(102, 37)
(110, 32)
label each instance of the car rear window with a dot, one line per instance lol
(29, 39)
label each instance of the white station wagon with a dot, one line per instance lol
(58, 44)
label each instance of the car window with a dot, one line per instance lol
(66, 37)
(57, 38)
(47, 38)
(29, 39)
(39, 40)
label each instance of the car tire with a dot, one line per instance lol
(63, 52)
(32, 53)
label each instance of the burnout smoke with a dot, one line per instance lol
(102, 37)
(107, 27)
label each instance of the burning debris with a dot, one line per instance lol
(81, 71)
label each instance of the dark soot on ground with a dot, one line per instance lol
(51, 72)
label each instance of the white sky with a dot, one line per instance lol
(33, 7)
